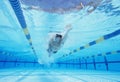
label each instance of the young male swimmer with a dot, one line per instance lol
(58, 40)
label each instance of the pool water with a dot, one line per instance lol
(91, 51)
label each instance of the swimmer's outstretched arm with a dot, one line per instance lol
(65, 33)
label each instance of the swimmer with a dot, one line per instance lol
(58, 40)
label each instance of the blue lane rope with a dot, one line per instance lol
(19, 14)
(107, 53)
(101, 54)
(103, 38)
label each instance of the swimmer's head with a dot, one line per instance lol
(58, 38)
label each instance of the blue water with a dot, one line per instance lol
(16, 53)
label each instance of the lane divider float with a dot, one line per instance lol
(101, 39)
(19, 14)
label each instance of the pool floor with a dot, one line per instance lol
(53, 75)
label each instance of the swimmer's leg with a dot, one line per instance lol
(49, 50)
(49, 54)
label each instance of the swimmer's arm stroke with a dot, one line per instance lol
(65, 33)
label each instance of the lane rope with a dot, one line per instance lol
(19, 14)
(101, 54)
(101, 39)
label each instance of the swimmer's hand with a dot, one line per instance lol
(68, 27)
